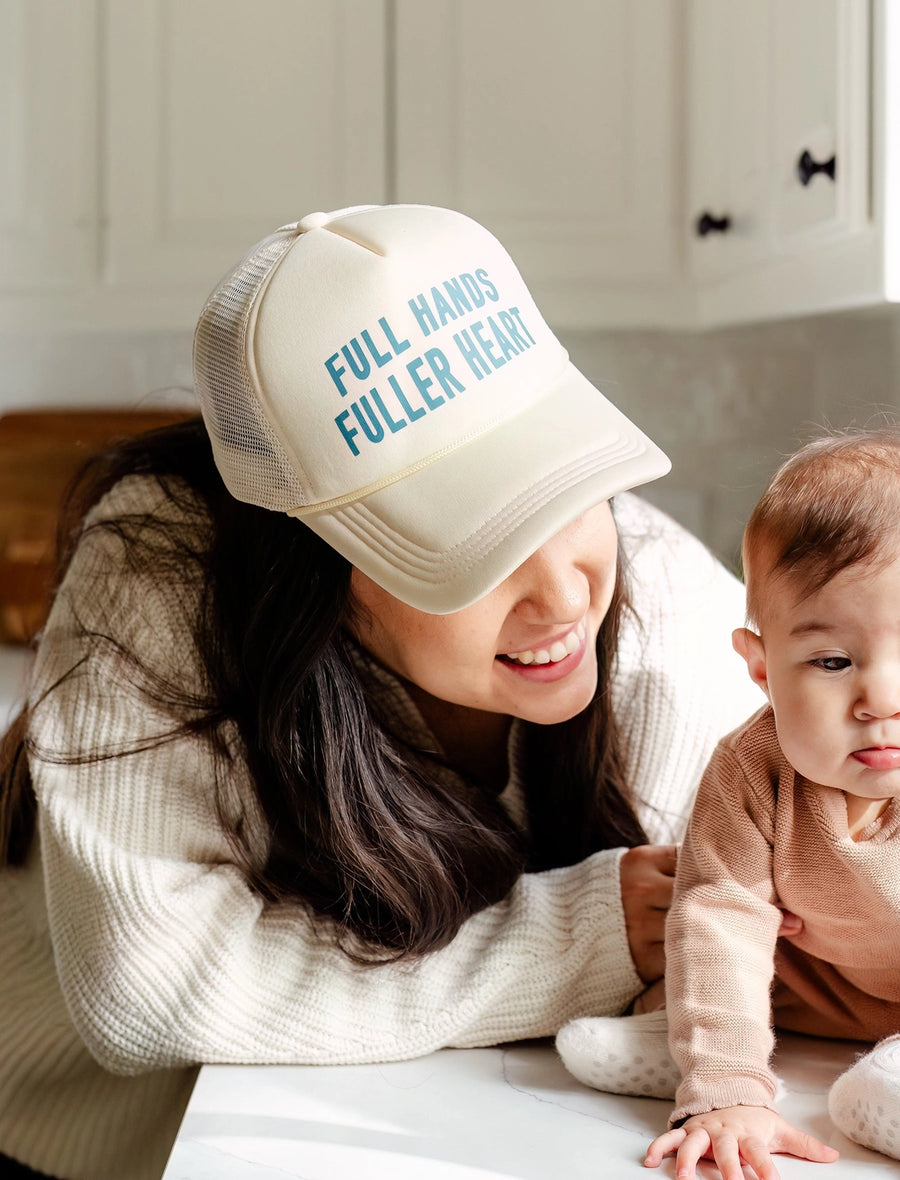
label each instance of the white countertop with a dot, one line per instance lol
(469, 1114)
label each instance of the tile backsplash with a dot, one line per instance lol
(725, 405)
(728, 405)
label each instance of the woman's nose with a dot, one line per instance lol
(552, 588)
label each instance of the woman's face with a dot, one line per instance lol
(527, 649)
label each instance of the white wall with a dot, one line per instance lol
(95, 369)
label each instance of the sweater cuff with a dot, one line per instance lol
(587, 897)
(573, 961)
(701, 1097)
(614, 977)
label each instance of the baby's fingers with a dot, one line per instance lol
(756, 1154)
(662, 1145)
(804, 1146)
(695, 1147)
(690, 1146)
(727, 1155)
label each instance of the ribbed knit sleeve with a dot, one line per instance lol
(720, 942)
(167, 958)
(132, 943)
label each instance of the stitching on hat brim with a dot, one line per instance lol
(323, 507)
(431, 564)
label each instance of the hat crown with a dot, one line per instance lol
(383, 372)
(350, 348)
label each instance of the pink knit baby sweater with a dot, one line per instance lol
(763, 837)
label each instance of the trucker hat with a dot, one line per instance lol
(383, 374)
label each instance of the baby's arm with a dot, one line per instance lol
(720, 939)
(720, 942)
(732, 1136)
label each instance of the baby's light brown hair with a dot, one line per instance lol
(832, 504)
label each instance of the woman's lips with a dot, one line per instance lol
(548, 664)
(879, 757)
(554, 652)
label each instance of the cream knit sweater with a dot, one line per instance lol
(133, 950)
(760, 837)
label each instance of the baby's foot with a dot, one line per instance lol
(864, 1102)
(621, 1054)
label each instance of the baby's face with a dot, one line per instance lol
(830, 665)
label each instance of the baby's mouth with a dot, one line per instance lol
(554, 653)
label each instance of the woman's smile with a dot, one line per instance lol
(544, 664)
(527, 649)
(555, 650)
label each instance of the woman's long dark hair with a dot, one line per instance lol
(361, 827)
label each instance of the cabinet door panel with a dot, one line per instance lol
(820, 51)
(556, 127)
(767, 82)
(48, 143)
(226, 119)
(728, 102)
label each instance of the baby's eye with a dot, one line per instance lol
(831, 663)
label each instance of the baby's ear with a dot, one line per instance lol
(749, 645)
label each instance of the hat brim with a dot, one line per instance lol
(447, 534)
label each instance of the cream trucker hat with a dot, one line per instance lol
(382, 373)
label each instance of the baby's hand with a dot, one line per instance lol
(732, 1136)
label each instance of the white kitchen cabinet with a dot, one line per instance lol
(728, 165)
(48, 144)
(227, 119)
(557, 126)
(145, 143)
(217, 121)
(778, 94)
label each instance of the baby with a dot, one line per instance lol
(799, 808)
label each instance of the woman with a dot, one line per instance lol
(381, 779)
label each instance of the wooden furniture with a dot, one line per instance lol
(40, 452)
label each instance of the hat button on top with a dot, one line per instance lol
(313, 221)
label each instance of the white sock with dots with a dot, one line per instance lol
(864, 1102)
(621, 1054)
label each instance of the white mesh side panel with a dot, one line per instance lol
(249, 457)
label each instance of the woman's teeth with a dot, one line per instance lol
(553, 654)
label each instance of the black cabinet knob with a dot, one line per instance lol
(708, 224)
(807, 167)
